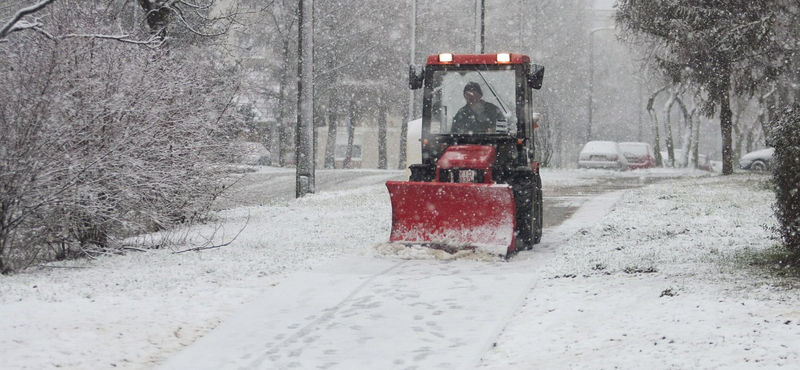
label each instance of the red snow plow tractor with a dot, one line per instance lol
(477, 186)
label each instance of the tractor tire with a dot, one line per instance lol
(528, 223)
(525, 199)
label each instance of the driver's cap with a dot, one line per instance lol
(474, 87)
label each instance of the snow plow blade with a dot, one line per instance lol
(453, 216)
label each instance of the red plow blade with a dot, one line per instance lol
(454, 216)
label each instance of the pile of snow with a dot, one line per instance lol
(414, 252)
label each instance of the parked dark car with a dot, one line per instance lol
(759, 160)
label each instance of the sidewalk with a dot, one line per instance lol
(361, 312)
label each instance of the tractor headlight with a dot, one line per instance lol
(503, 58)
(446, 58)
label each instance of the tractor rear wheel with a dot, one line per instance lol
(528, 199)
(526, 217)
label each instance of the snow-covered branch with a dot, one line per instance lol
(152, 41)
(17, 23)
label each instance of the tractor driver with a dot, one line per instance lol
(477, 116)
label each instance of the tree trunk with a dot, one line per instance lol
(267, 137)
(696, 134)
(739, 131)
(687, 155)
(351, 133)
(654, 120)
(668, 128)
(282, 104)
(330, 144)
(763, 112)
(382, 156)
(640, 136)
(402, 153)
(726, 123)
(657, 146)
(157, 15)
(737, 138)
(753, 133)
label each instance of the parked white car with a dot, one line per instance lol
(759, 160)
(602, 154)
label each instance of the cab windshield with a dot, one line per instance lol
(491, 108)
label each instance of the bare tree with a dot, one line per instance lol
(103, 141)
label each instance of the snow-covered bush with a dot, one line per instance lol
(102, 140)
(786, 173)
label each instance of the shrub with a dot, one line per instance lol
(786, 173)
(104, 140)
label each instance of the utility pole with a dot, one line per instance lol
(480, 30)
(304, 141)
(520, 11)
(410, 115)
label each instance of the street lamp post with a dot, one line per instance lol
(304, 140)
(411, 97)
(591, 79)
(480, 31)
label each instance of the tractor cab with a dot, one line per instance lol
(502, 118)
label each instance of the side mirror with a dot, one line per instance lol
(416, 76)
(536, 76)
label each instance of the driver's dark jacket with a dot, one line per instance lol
(469, 121)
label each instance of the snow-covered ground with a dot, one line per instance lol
(656, 277)
(663, 282)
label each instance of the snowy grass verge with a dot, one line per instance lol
(671, 278)
(688, 228)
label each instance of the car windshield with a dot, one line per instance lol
(497, 88)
